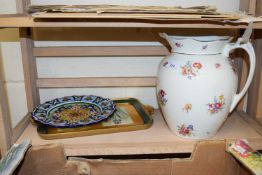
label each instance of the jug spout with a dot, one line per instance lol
(197, 44)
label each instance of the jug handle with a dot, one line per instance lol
(247, 46)
(165, 36)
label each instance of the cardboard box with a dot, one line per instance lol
(209, 157)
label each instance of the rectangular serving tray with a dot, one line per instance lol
(130, 115)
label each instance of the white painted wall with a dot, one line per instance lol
(61, 67)
(12, 61)
(7, 6)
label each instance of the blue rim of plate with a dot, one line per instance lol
(106, 106)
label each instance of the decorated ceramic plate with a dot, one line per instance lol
(74, 111)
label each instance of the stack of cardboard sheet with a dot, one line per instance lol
(130, 12)
(124, 9)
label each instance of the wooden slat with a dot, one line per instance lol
(174, 24)
(22, 5)
(29, 67)
(8, 21)
(237, 57)
(155, 140)
(5, 122)
(252, 6)
(238, 64)
(248, 6)
(259, 55)
(253, 92)
(25, 21)
(259, 8)
(242, 73)
(243, 5)
(20, 127)
(259, 103)
(96, 82)
(100, 51)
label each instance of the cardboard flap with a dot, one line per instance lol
(44, 160)
(209, 157)
(127, 167)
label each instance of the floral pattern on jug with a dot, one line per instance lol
(217, 65)
(201, 85)
(179, 45)
(204, 47)
(217, 105)
(190, 70)
(185, 130)
(187, 107)
(162, 97)
(169, 65)
(165, 64)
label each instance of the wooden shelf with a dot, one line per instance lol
(28, 21)
(155, 140)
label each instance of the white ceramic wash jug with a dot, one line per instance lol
(197, 84)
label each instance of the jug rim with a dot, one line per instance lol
(210, 38)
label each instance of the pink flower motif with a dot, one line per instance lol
(185, 131)
(161, 97)
(162, 93)
(210, 105)
(217, 65)
(217, 105)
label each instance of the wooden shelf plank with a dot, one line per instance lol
(155, 140)
(155, 51)
(27, 21)
(15, 21)
(96, 82)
